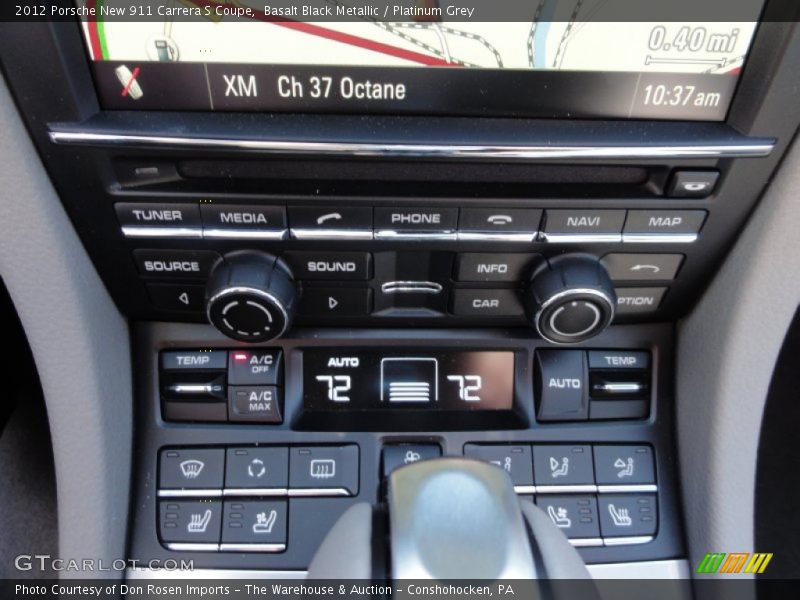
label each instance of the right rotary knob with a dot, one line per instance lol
(570, 299)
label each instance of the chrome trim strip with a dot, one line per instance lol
(330, 234)
(474, 236)
(194, 388)
(411, 236)
(628, 388)
(145, 574)
(625, 541)
(252, 547)
(162, 232)
(677, 568)
(525, 489)
(192, 547)
(239, 492)
(579, 238)
(411, 287)
(626, 489)
(196, 493)
(734, 149)
(308, 492)
(245, 234)
(566, 489)
(586, 542)
(654, 569)
(659, 238)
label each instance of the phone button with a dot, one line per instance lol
(500, 220)
(330, 222)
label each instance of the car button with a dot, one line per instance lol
(326, 222)
(628, 515)
(255, 367)
(642, 267)
(261, 523)
(583, 225)
(263, 468)
(663, 225)
(190, 521)
(635, 301)
(175, 264)
(159, 220)
(472, 266)
(576, 516)
(344, 266)
(563, 465)
(400, 455)
(514, 460)
(486, 303)
(561, 383)
(624, 465)
(222, 221)
(191, 468)
(258, 403)
(323, 470)
(692, 184)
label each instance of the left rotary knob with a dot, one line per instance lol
(251, 296)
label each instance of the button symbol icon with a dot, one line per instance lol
(332, 302)
(696, 186)
(322, 468)
(620, 516)
(409, 379)
(329, 217)
(624, 468)
(559, 469)
(256, 469)
(127, 79)
(559, 517)
(264, 522)
(184, 298)
(198, 523)
(500, 220)
(191, 469)
(411, 457)
(653, 268)
(503, 464)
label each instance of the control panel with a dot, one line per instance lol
(379, 264)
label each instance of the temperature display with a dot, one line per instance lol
(336, 380)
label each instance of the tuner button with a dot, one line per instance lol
(250, 296)
(571, 299)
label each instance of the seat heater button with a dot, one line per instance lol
(576, 516)
(628, 514)
(254, 522)
(190, 521)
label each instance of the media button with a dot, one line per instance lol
(583, 225)
(351, 266)
(224, 221)
(175, 264)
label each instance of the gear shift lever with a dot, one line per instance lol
(451, 518)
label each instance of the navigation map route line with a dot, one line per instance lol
(344, 38)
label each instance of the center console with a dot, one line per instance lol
(325, 286)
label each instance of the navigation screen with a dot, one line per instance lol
(538, 58)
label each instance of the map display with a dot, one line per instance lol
(286, 60)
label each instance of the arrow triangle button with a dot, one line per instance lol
(332, 302)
